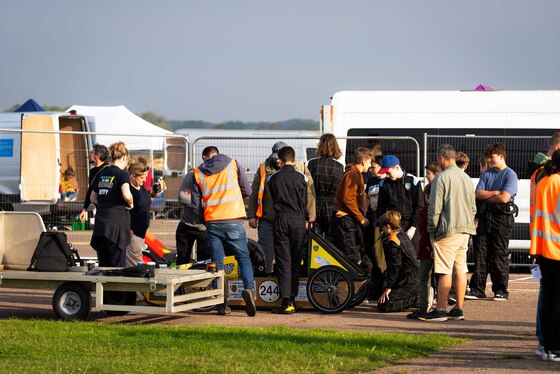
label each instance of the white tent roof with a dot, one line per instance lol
(121, 122)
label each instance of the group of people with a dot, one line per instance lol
(372, 210)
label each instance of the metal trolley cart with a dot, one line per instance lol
(72, 299)
(334, 283)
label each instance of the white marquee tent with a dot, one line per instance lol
(117, 123)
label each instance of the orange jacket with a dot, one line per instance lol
(221, 194)
(545, 225)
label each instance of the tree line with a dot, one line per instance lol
(172, 125)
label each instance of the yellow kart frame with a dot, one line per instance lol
(334, 282)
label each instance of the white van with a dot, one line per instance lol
(469, 120)
(31, 161)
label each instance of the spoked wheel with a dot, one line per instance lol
(71, 301)
(360, 296)
(329, 289)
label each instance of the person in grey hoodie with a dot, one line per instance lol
(217, 197)
(190, 228)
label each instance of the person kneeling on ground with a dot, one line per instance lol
(401, 277)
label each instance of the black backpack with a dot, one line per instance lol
(53, 253)
(258, 260)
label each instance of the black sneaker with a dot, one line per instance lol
(499, 297)
(435, 315)
(456, 314)
(250, 307)
(471, 296)
(285, 309)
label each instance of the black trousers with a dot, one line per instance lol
(400, 299)
(289, 235)
(550, 310)
(491, 254)
(348, 238)
(323, 221)
(108, 253)
(186, 236)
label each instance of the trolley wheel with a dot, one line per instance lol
(71, 301)
(330, 290)
(118, 298)
(359, 297)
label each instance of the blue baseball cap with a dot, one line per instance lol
(388, 162)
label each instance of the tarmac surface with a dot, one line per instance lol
(501, 334)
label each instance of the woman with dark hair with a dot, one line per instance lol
(111, 193)
(326, 173)
(545, 229)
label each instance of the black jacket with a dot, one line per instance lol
(288, 188)
(402, 265)
(403, 195)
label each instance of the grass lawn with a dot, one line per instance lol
(80, 347)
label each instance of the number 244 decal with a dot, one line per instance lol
(269, 291)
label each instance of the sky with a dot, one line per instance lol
(258, 60)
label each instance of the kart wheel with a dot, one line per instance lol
(71, 301)
(329, 289)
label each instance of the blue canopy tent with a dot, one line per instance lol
(30, 106)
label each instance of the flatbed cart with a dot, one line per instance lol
(72, 299)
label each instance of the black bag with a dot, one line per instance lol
(139, 271)
(53, 253)
(258, 259)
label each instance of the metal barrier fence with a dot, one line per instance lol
(32, 162)
(251, 152)
(520, 150)
(406, 148)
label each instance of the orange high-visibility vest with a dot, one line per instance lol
(221, 194)
(260, 195)
(262, 182)
(545, 226)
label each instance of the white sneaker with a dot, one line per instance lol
(550, 357)
(540, 351)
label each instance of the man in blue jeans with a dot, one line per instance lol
(217, 197)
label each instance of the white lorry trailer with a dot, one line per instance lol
(469, 120)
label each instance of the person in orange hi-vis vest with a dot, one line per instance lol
(545, 244)
(217, 197)
(538, 172)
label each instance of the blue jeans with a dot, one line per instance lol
(231, 236)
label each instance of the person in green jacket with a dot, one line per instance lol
(450, 223)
